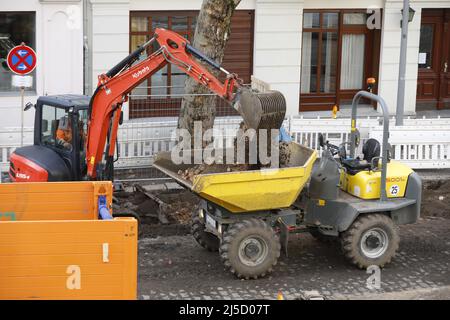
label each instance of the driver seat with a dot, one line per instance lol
(371, 149)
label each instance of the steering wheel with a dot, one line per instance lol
(333, 149)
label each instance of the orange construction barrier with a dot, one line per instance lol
(53, 246)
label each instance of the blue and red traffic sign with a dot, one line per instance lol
(21, 59)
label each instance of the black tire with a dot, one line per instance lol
(262, 242)
(363, 243)
(322, 237)
(206, 239)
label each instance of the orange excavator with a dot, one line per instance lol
(75, 136)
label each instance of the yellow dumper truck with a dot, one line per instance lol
(59, 241)
(247, 216)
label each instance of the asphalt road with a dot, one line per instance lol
(175, 267)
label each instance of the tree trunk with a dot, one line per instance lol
(211, 35)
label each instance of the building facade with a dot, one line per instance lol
(317, 52)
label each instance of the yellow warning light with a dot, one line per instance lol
(334, 111)
(280, 296)
(371, 81)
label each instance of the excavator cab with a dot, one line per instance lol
(58, 152)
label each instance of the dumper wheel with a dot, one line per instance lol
(250, 249)
(206, 239)
(372, 239)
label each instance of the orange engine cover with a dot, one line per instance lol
(24, 170)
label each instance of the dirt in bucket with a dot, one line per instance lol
(190, 173)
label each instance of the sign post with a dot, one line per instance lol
(22, 60)
(22, 116)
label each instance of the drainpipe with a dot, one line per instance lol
(87, 57)
(402, 66)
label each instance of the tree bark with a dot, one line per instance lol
(211, 35)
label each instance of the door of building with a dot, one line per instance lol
(433, 81)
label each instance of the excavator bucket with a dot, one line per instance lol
(261, 110)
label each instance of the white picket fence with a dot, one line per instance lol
(419, 148)
(9, 141)
(421, 143)
(140, 140)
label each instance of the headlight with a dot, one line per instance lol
(200, 213)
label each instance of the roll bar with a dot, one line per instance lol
(384, 156)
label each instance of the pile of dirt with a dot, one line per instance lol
(285, 154)
(180, 205)
(137, 204)
(190, 173)
(436, 198)
(160, 213)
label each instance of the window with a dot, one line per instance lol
(352, 61)
(338, 53)
(161, 95)
(57, 129)
(15, 28)
(426, 46)
(319, 52)
(51, 118)
(355, 18)
(168, 81)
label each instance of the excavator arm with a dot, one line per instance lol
(259, 110)
(114, 87)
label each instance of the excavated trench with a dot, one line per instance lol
(436, 199)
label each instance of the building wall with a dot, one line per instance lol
(278, 41)
(59, 49)
(110, 28)
(390, 51)
(180, 5)
(390, 56)
(110, 34)
(277, 45)
(277, 53)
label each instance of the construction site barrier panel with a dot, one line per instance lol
(65, 252)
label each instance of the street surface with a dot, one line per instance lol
(175, 267)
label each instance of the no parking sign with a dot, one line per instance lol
(21, 59)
